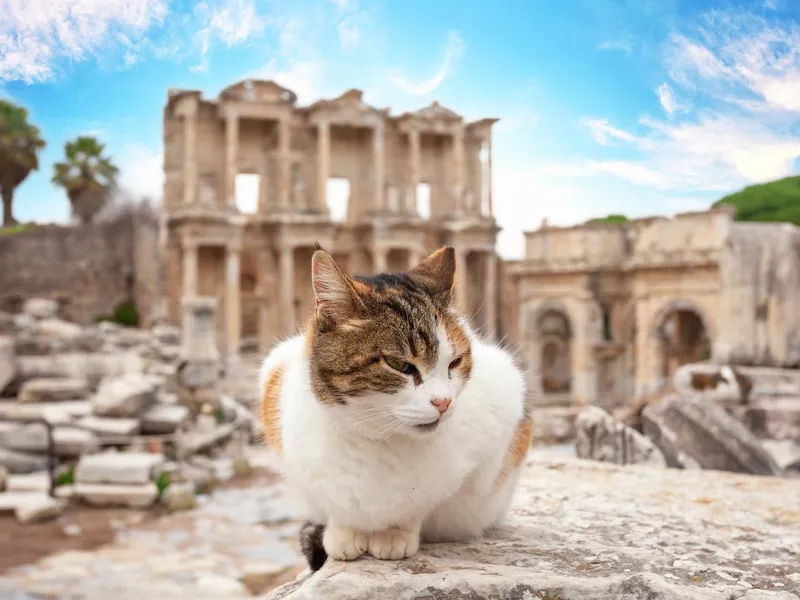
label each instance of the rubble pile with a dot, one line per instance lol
(743, 420)
(110, 415)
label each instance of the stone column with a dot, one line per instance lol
(490, 289)
(265, 284)
(378, 151)
(489, 206)
(284, 162)
(233, 304)
(323, 163)
(458, 169)
(462, 282)
(286, 275)
(189, 156)
(231, 156)
(189, 269)
(380, 259)
(414, 175)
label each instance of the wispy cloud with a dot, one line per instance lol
(142, 171)
(35, 35)
(454, 50)
(745, 127)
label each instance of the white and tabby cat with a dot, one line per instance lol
(394, 420)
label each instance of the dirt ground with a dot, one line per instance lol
(85, 528)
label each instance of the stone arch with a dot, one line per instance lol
(682, 332)
(549, 337)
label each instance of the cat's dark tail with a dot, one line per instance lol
(311, 544)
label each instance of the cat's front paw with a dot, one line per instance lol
(343, 543)
(393, 544)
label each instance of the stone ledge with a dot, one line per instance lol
(585, 530)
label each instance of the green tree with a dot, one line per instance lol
(613, 218)
(20, 143)
(88, 177)
(774, 201)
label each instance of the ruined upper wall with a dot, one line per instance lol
(760, 277)
(256, 127)
(686, 238)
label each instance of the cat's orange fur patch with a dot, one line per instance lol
(517, 449)
(271, 410)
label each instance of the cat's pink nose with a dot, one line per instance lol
(441, 404)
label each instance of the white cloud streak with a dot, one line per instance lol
(454, 50)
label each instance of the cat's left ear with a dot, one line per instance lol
(437, 273)
(336, 297)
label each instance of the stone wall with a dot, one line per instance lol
(760, 278)
(88, 270)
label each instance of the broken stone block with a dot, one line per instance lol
(58, 329)
(21, 462)
(8, 364)
(68, 441)
(118, 468)
(3, 478)
(600, 437)
(776, 418)
(92, 367)
(199, 441)
(167, 334)
(554, 425)
(785, 452)
(129, 337)
(53, 412)
(179, 496)
(107, 428)
(129, 496)
(38, 481)
(163, 418)
(691, 431)
(9, 501)
(126, 395)
(39, 510)
(40, 308)
(53, 390)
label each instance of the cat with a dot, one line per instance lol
(396, 423)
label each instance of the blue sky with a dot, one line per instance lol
(606, 106)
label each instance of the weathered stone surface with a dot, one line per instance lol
(600, 437)
(41, 509)
(8, 364)
(130, 496)
(10, 501)
(3, 478)
(786, 453)
(106, 428)
(21, 462)
(261, 577)
(590, 531)
(53, 390)
(692, 431)
(78, 365)
(118, 468)
(163, 418)
(167, 334)
(554, 425)
(40, 308)
(202, 441)
(125, 396)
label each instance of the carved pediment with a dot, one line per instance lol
(436, 112)
(350, 104)
(254, 90)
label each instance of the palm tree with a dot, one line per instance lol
(88, 177)
(19, 143)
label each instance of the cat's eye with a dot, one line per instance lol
(400, 365)
(454, 364)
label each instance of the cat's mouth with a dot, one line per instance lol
(428, 426)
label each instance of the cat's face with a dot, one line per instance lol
(388, 353)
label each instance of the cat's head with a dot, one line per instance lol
(388, 353)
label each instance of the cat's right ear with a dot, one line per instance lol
(437, 273)
(335, 295)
